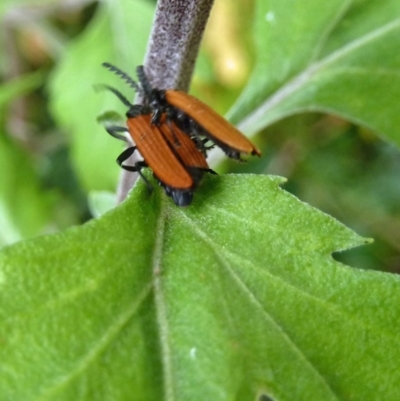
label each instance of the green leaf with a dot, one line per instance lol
(234, 296)
(75, 103)
(24, 208)
(101, 202)
(340, 57)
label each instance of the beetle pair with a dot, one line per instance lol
(170, 130)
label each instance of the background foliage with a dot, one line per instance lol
(321, 100)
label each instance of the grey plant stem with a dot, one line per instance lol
(171, 52)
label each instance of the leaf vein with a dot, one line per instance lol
(160, 303)
(295, 84)
(100, 346)
(253, 299)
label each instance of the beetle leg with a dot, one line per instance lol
(137, 167)
(125, 155)
(198, 133)
(113, 131)
(156, 117)
(204, 144)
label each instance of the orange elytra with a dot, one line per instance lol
(172, 155)
(213, 125)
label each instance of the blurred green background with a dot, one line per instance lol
(58, 164)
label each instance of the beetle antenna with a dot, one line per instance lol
(144, 81)
(124, 76)
(116, 92)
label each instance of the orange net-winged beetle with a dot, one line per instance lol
(191, 115)
(174, 158)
